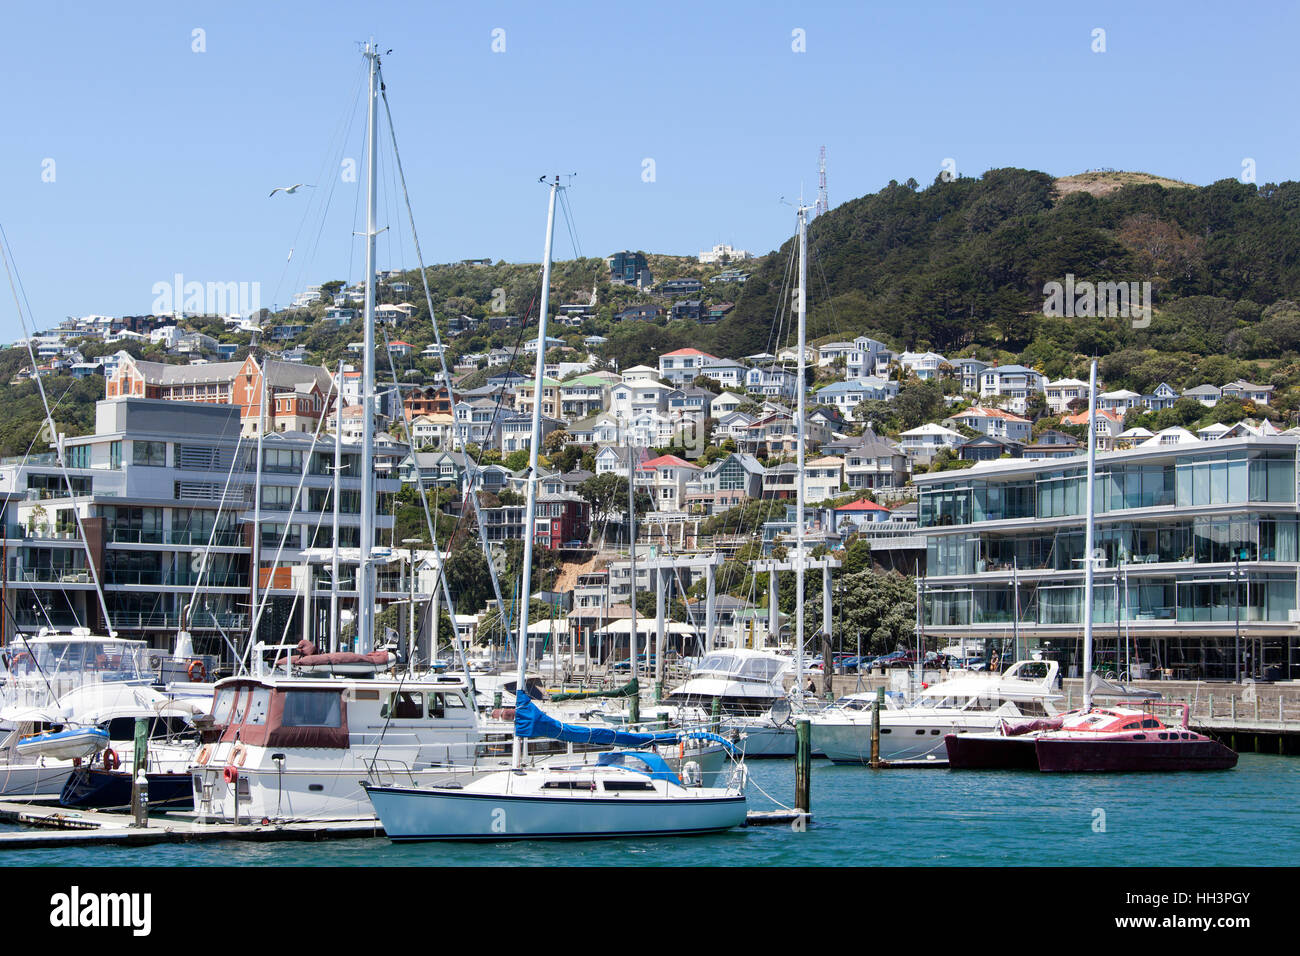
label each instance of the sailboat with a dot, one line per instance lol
(772, 733)
(1129, 736)
(624, 793)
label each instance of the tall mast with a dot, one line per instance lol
(530, 506)
(365, 596)
(1088, 537)
(634, 704)
(799, 455)
(338, 480)
(256, 562)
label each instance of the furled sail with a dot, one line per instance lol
(627, 690)
(531, 721)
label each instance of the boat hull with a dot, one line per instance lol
(31, 779)
(907, 740)
(990, 752)
(1076, 755)
(94, 788)
(410, 815)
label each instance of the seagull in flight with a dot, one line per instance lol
(289, 190)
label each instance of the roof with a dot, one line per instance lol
(1082, 417)
(862, 504)
(981, 412)
(665, 461)
(687, 351)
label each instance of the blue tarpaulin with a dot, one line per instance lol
(531, 721)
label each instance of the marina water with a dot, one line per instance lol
(1242, 817)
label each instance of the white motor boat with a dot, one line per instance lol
(915, 733)
(743, 681)
(290, 747)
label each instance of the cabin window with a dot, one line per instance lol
(221, 705)
(404, 705)
(312, 708)
(439, 704)
(1149, 722)
(633, 785)
(569, 785)
(241, 706)
(259, 703)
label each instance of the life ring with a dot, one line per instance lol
(196, 666)
(229, 774)
(111, 759)
(205, 754)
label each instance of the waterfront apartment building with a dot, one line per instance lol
(1197, 556)
(165, 495)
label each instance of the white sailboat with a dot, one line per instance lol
(624, 793)
(772, 733)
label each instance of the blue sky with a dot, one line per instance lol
(163, 157)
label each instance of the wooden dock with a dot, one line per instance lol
(61, 827)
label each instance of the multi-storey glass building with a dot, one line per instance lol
(160, 485)
(1196, 550)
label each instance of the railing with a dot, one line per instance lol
(222, 539)
(54, 575)
(137, 536)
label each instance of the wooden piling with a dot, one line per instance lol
(803, 765)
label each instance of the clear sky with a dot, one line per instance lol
(163, 156)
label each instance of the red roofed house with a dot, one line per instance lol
(664, 479)
(858, 513)
(682, 366)
(399, 348)
(1108, 424)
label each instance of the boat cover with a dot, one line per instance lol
(531, 721)
(627, 690)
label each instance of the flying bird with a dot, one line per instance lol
(289, 190)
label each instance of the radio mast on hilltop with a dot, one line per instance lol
(822, 202)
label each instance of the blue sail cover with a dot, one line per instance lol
(531, 721)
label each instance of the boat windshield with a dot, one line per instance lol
(105, 658)
(765, 669)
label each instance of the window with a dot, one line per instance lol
(151, 453)
(259, 704)
(115, 454)
(404, 705)
(312, 708)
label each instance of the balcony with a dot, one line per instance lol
(52, 575)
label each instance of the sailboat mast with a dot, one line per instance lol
(256, 561)
(1088, 537)
(365, 597)
(530, 505)
(338, 479)
(802, 388)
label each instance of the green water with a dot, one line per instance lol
(1247, 816)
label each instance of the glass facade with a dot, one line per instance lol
(1197, 551)
(1225, 476)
